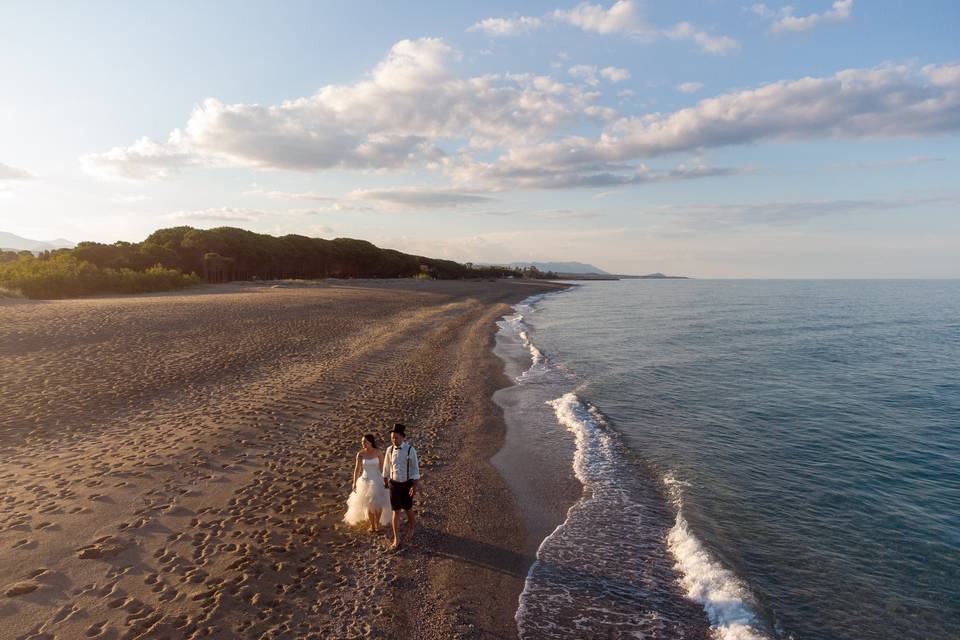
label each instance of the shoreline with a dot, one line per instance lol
(175, 464)
(528, 455)
(478, 558)
(565, 469)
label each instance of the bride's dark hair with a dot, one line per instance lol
(369, 438)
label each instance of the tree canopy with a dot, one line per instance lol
(219, 255)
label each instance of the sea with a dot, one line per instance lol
(755, 458)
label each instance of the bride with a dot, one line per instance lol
(369, 501)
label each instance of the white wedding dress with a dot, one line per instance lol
(370, 495)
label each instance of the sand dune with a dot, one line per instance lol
(176, 466)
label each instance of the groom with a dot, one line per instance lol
(401, 471)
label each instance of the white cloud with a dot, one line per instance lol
(10, 176)
(13, 173)
(557, 166)
(218, 214)
(335, 208)
(567, 214)
(319, 231)
(615, 74)
(607, 194)
(711, 217)
(784, 20)
(507, 132)
(689, 87)
(708, 43)
(887, 101)
(585, 72)
(500, 27)
(503, 247)
(390, 121)
(300, 229)
(623, 16)
(405, 198)
(289, 195)
(387, 199)
(129, 199)
(145, 159)
(498, 213)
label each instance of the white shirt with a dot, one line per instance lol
(397, 460)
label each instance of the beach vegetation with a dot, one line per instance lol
(181, 256)
(62, 275)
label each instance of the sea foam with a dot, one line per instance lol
(605, 571)
(515, 325)
(615, 565)
(728, 602)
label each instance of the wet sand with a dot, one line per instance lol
(177, 465)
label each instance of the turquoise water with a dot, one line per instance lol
(793, 447)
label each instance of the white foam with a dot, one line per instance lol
(576, 418)
(516, 326)
(727, 601)
(722, 594)
(581, 421)
(528, 583)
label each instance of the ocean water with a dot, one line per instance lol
(760, 459)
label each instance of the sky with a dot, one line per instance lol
(709, 139)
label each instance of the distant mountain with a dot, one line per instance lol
(10, 241)
(617, 276)
(560, 267)
(655, 276)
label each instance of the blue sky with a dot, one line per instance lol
(713, 139)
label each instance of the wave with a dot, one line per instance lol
(516, 326)
(605, 571)
(612, 566)
(727, 601)
(581, 585)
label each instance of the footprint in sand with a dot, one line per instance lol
(66, 612)
(105, 547)
(20, 588)
(26, 543)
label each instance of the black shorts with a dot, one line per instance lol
(400, 498)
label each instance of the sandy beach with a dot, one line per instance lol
(177, 465)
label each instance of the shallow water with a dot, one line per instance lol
(785, 455)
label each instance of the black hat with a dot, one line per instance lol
(399, 428)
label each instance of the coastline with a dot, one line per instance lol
(537, 466)
(474, 563)
(583, 505)
(175, 464)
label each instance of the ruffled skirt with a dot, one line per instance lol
(369, 496)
